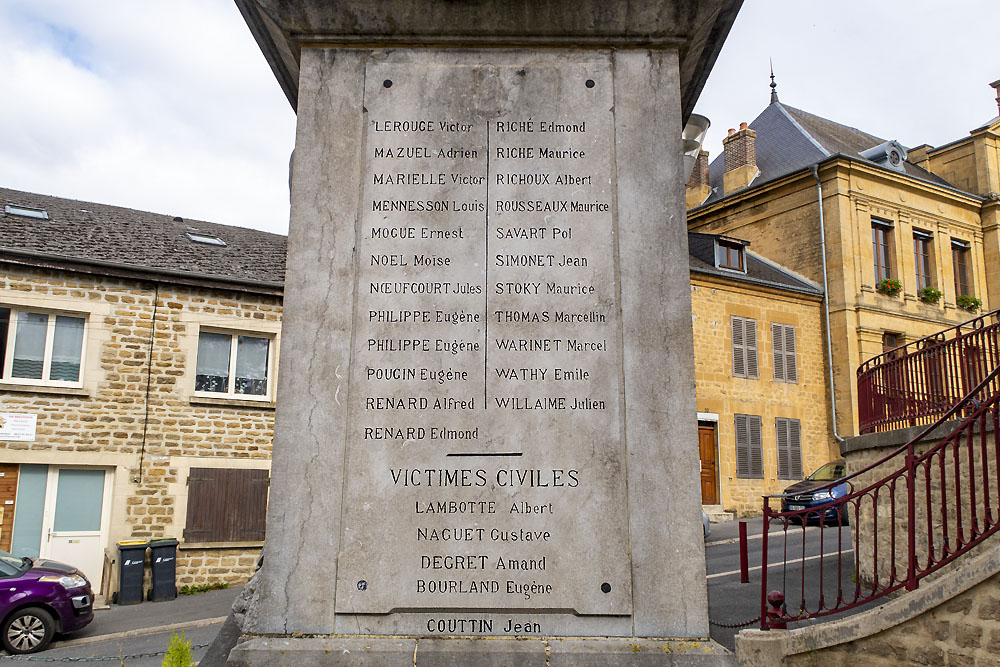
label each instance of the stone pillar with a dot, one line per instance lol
(485, 423)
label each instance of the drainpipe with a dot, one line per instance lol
(149, 378)
(826, 305)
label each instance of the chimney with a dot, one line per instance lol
(740, 149)
(698, 188)
(918, 156)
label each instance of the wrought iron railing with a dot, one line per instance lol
(917, 382)
(894, 522)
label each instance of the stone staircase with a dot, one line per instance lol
(716, 514)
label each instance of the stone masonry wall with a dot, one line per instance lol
(962, 632)
(713, 303)
(111, 423)
(937, 522)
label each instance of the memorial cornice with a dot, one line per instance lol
(695, 29)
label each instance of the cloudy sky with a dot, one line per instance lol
(170, 107)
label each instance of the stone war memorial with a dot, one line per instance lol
(485, 448)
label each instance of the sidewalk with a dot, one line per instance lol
(728, 532)
(150, 617)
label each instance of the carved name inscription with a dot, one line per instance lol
(485, 463)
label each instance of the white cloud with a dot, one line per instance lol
(167, 107)
(170, 106)
(912, 70)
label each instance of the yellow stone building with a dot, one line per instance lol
(910, 239)
(763, 418)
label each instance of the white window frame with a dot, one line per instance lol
(233, 348)
(50, 328)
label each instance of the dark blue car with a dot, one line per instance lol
(39, 598)
(816, 490)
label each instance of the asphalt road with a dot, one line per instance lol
(730, 602)
(133, 651)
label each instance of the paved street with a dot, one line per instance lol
(731, 602)
(144, 628)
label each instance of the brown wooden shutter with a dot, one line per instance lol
(226, 505)
(750, 342)
(778, 351)
(739, 350)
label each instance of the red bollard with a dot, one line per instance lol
(776, 616)
(744, 559)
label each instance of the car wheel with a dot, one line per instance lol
(27, 630)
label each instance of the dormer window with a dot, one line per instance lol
(729, 254)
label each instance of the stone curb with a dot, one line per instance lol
(138, 632)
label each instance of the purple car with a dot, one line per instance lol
(39, 598)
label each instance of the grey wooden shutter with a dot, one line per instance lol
(791, 368)
(789, 444)
(739, 350)
(750, 346)
(749, 455)
(778, 350)
(795, 448)
(742, 447)
(756, 447)
(783, 346)
(781, 436)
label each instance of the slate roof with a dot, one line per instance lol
(87, 231)
(151, 242)
(760, 271)
(789, 139)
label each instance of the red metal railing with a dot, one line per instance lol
(917, 382)
(912, 512)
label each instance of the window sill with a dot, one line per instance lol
(231, 402)
(44, 389)
(183, 546)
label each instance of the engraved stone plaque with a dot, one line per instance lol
(485, 464)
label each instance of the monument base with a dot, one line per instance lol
(479, 652)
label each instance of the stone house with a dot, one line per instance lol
(896, 225)
(760, 378)
(138, 355)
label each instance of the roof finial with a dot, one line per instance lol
(774, 86)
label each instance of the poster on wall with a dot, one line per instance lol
(17, 427)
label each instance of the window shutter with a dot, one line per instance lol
(742, 447)
(756, 450)
(781, 436)
(226, 505)
(739, 352)
(202, 497)
(795, 448)
(750, 343)
(788, 434)
(791, 370)
(778, 350)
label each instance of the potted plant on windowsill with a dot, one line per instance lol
(969, 302)
(889, 286)
(929, 294)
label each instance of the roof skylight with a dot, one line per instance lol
(26, 211)
(207, 239)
